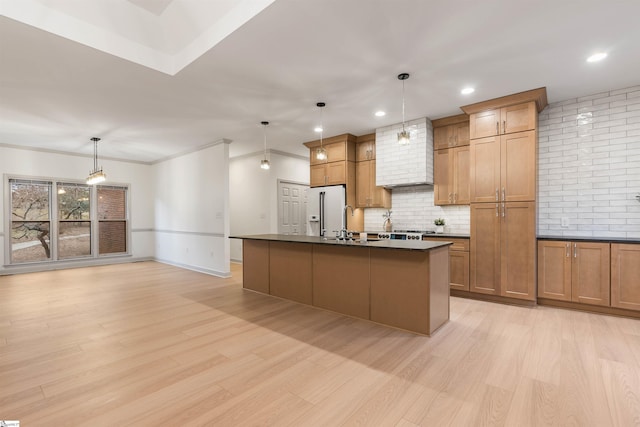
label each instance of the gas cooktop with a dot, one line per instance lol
(404, 234)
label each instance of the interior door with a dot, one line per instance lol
(292, 208)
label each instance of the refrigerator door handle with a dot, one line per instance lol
(321, 204)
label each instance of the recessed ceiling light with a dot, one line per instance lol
(317, 129)
(380, 113)
(467, 90)
(597, 57)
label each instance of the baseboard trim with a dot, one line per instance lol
(492, 298)
(221, 274)
(64, 265)
(613, 311)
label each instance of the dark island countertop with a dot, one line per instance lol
(412, 245)
(628, 240)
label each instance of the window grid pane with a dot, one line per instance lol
(112, 224)
(74, 239)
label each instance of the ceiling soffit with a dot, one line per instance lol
(165, 35)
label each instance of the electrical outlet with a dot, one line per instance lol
(565, 222)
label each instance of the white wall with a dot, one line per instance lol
(192, 210)
(32, 163)
(254, 193)
(589, 166)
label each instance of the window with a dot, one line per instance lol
(74, 220)
(30, 221)
(60, 220)
(112, 219)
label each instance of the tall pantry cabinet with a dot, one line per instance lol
(503, 168)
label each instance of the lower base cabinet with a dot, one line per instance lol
(574, 271)
(625, 276)
(503, 246)
(458, 262)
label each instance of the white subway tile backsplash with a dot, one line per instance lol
(590, 176)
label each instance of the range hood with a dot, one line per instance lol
(405, 165)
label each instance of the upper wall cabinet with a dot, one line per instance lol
(452, 135)
(339, 165)
(505, 115)
(501, 121)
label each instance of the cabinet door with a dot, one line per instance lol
(336, 173)
(441, 137)
(460, 133)
(518, 167)
(459, 270)
(485, 248)
(518, 250)
(625, 276)
(484, 172)
(363, 151)
(317, 175)
(460, 173)
(336, 151)
(518, 118)
(554, 270)
(363, 184)
(380, 197)
(484, 124)
(590, 273)
(442, 185)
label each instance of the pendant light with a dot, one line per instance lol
(264, 163)
(403, 136)
(321, 153)
(96, 175)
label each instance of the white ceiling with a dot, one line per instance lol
(158, 78)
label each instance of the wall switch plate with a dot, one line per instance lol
(565, 222)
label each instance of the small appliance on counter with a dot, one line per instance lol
(387, 225)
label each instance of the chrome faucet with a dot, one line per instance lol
(344, 232)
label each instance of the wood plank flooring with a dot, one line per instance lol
(148, 344)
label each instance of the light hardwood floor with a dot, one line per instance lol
(148, 344)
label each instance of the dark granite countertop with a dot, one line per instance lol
(591, 239)
(438, 235)
(414, 245)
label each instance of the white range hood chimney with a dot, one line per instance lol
(403, 165)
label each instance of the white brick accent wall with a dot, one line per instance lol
(589, 166)
(413, 209)
(405, 164)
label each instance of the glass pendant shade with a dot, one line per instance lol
(264, 164)
(321, 153)
(403, 137)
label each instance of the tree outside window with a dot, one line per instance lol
(30, 221)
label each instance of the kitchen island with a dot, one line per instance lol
(404, 284)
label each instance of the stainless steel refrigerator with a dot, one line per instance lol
(325, 208)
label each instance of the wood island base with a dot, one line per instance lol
(402, 288)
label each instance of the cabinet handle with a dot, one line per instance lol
(503, 210)
(504, 199)
(497, 195)
(450, 198)
(566, 252)
(455, 196)
(497, 128)
(575, 250)
(497, 214)
(504, 126)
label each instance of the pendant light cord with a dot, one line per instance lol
(403, 105)
(264, 132)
